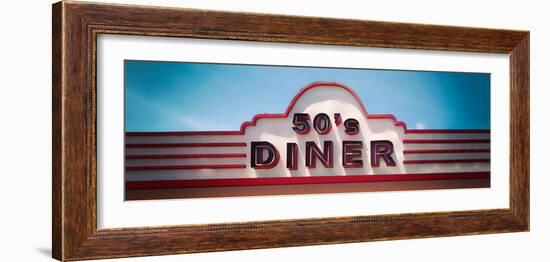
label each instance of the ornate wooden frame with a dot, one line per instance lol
(76, 26)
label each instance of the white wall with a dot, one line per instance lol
(25, 56)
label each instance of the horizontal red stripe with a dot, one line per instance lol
(446, 151)
(444, 141)
(268, 181)
(448, 131)
(186, 156)
(141, 168)
(184, 133)
(186, 145)
(445, 161)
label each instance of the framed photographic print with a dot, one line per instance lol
(182, 130)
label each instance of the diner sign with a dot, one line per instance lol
(325, 141)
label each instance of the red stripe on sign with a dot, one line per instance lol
(186, 133)
(448, 131)
(186, 145)
(142, 168)
(186, 156)
(270, 181)
(446, 151)
(445, 161)
(445, 141)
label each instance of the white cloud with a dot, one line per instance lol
(420, 125)
(201, 124)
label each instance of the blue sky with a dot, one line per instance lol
(179, 96)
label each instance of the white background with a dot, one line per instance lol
(25, 57)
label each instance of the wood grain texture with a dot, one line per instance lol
(519, 129)
(75, 29)
(57, 195)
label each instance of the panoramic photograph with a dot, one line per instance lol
(197, 130)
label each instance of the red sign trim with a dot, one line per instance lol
(446, 151)
(445, 161)
(143, 168)
(446, 141)
(186, 145)
(265, 181)
(186, 156)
